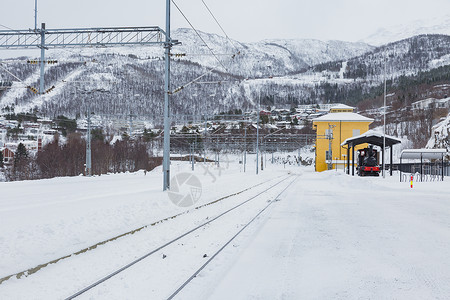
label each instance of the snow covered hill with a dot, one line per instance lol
(388, 35)
(281, 73)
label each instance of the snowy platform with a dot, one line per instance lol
(330, 236)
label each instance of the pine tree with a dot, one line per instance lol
(1, 159)
(20, 155)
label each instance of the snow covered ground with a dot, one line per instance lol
(330, 236)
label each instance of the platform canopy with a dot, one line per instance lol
(423, 153)
(371, 137)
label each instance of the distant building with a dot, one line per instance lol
(431, 103)
(8, 155)
(332, 129)
(341, 108)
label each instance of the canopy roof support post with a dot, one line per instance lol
(390, 167)
(421, 167)
(353, 160)
(348, 159)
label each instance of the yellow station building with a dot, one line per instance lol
(331, 130)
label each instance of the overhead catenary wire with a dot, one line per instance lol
(215, 19)
(195, 30)
(7, 71)
(191, 82)
(4, 26)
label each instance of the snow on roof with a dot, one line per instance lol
(342, 106)
(423, 153)
(343, 116)
(370, 133)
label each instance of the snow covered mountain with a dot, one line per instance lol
(267, 57)
(430, 26)
(125, 72)
(238, 75)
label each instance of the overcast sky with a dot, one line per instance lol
(243, 20)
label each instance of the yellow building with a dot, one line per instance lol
(331, 130)
(341, 108)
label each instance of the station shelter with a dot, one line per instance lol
(331, 130)
(427, 164)
(369, 137)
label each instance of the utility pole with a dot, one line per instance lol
(257, 133)
(35, 15)
(166, 152)
(204, 141)
(88, 144)
(192, 155)
(130, 123)
(384, 117)
(330, 149)
(41, 80)
(245, 146)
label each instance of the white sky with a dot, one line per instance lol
(243, 20)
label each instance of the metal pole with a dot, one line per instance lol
(192, 156)
(204, 142)
(166, 152)
(263, 152)
(35, 16)
(131, 124)
(384, 117)
(41, 80)
(245, 147)
(88, 144)
(257, 134)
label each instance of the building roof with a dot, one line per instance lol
(343, 116)
(423, 153)
(341, 106)
(372, 137)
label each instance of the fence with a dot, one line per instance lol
(423, 173)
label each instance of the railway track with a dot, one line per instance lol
(197, 272)
(39, 267)
(196, 230)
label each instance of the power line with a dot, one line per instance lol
(226, 35)
(6, 70)
(8, 28)
(192, 26)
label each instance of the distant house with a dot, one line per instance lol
(431, 103)
(283, 124)
(8, 155)
(341, 108)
